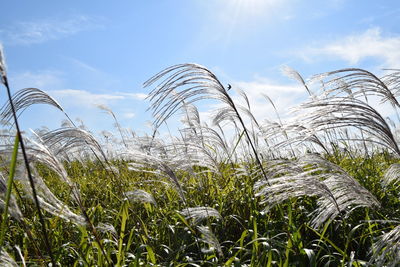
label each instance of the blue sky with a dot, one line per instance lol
(86, 53)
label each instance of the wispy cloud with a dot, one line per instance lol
(128, 115)
(47, 79)
(355, 48)
(82, 65)
(86, 99)
(83, 98)
(285, 96)
(137, 96)
(78, 100)
(39, 31)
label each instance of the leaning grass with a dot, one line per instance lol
(10, 183)
(319, 192)
(139, 232)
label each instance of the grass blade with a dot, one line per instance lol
(9, 187)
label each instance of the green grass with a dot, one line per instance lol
(134, 233)
(256, 199)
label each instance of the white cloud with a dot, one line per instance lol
(284, 96)
(82, 98)
(53, 82)
(40, 79)
(82, 65)
(137, 96)
(128, 115)
(39, 31)
(355, 48)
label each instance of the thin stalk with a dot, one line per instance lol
(92, 227)
(28, 170)
(27, 228)
(248, 136)
(114, 176)
(9, 188)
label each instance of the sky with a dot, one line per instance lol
(90, 53)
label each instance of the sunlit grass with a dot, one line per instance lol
(322, 191)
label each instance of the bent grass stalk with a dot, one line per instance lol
(162, 236)
(28, 170)
(9, 189)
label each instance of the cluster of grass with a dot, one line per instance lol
(320, 191)
(145, 232)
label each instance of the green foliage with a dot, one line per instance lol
(134, 233)
(202, 200)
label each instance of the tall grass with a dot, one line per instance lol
(320, 191)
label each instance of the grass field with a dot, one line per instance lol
(318, 191)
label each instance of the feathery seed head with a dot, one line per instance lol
(6, 259)
(210, 238)
(2, 64)
(198, 214)
(142, 196)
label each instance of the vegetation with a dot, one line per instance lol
(318, 191)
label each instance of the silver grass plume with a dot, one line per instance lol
(66, 123)
(205, 147)
(3, 73)
(196, 82)
(13, 208)
(230, 114)
(299, 135)
(348, 193)
(6, 260)
(18, 249)
(166, 159)
(48, 201)
(337, 192)
(191, 118)
(356, 82)
(4, 80)
(141, 196)
(208, 237)
(144, 161)
(392, 80)
(117, 124)
(275, 135)
(387, 249)
(24, 98)
(391, 175)
(112, 169)
(107, 228)
(291, 73)
(81, 125)
(72, 141)
(290, 179)
(39, 153)
(217, 141)
(344, 112)
(188, 83)
(198, 214)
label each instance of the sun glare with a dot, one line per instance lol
(253, 7)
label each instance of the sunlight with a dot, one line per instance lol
(238, 16)
(252, 7)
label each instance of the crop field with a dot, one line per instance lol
(317, 190)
